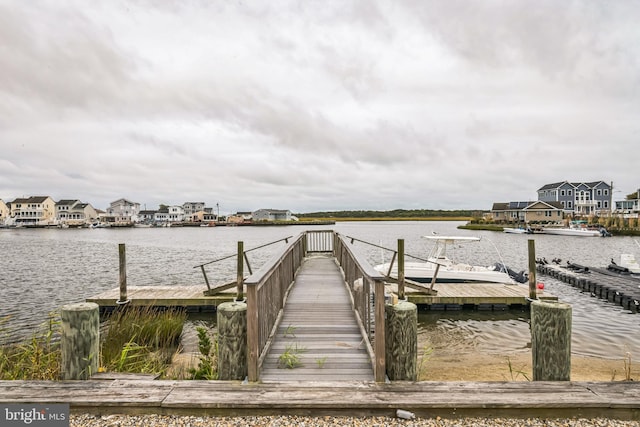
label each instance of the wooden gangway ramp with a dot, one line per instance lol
(318, 338)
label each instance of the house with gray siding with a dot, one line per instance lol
(271, 215)
(123, 210)
(579, 198)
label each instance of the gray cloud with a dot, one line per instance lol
(316, 105)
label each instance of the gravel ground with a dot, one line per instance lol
(290, 421)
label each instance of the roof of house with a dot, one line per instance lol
(67, 202)
(32, 199)
(518, 206)
(573, 184)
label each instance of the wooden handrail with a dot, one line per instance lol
(365, 283)
(267, 290)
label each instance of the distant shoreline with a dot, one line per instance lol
(390, 218)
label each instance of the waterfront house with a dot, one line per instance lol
(35, 210)
(190, 208)
(629, 208)
(579, 198)
(205, 215)
(4, 211)
(146, 216)
(123, 211)
(527, 212)
(75, 213)
(240, 218)
(271, 215)
(169, 214)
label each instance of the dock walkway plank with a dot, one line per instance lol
(318, 326)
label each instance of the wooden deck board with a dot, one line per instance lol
(356, 398)
(319, 323)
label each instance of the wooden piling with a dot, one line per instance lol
(240, 272)
(232, 341)
(532, 269)
(401, 269)
(551, 341)
(122, 258)
(80, 340)
(401, 341)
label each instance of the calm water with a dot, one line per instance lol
(41, 270)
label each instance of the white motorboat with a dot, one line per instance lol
(519, 230)
(572, 231)
(449, 271)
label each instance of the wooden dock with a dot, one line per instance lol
(619, 289)
(475, 296)
(547, 400)
(450, 297)
(191, 298)
(319, 330)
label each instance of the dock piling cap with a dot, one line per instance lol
(233, 306)
(551, 304)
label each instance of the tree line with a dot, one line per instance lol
(396, 213)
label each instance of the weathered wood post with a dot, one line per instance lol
(551, 341)
(80, 340)
(532, 269)
(240, 272)
(401, 269)
(122, 257)
(232, 341)
(379, 344)
(401, 330)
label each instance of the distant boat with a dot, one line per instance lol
(450, 271)
(576, 228)
(519, 230)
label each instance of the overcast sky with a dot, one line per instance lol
(317, 105)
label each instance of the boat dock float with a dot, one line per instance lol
(473, 296)
(448, 297)
(620, 289)
(191, 298)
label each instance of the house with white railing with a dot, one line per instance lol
(170, 214)
(74, 212)
(35, 210)
(579, 198)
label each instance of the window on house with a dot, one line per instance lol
(599, 192)
(562, 192)
(569, 204)
(568, 192)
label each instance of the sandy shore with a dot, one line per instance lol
(517, 367)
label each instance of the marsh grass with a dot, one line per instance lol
(515, 373)
(141, 339)
(423, 359)
(35, 359)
